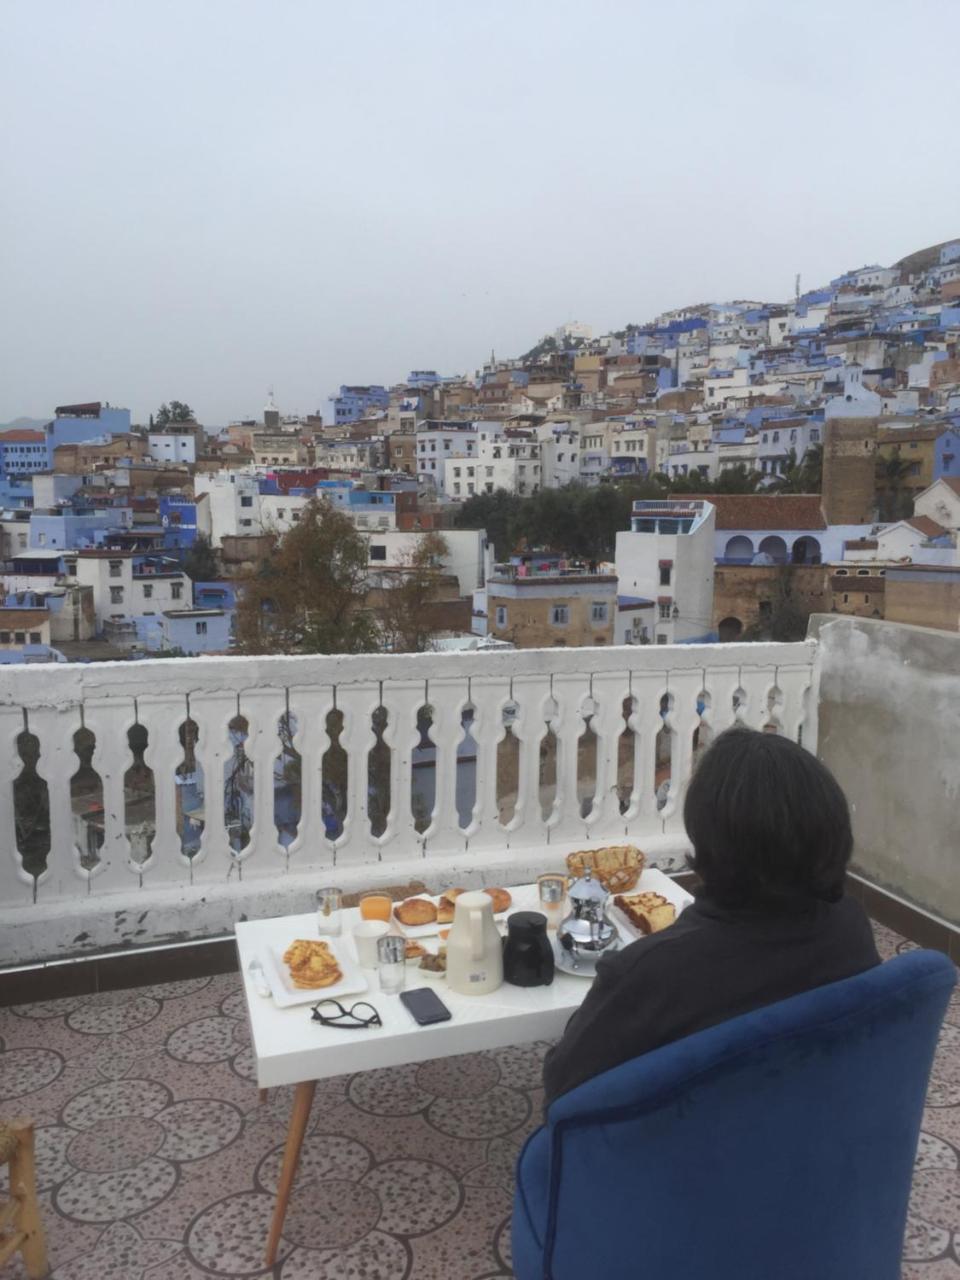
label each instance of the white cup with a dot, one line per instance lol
(365, 937)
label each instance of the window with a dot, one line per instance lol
(281, 513)
(559, 615)
(914, 468)
(501, 616)
(378, 551)
(866, 599)
(20, 637)
(661, 639)
(863, 573)
(116, 568)
(846, 598)
(246, 501)
(598, 612)
(4, 637)
(665, 610)
(35, 637)
(176, 590)
(116, 595)
(295, 516)
(147, 590)
(201, 628)
(246, 524)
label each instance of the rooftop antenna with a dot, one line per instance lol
(796, 288)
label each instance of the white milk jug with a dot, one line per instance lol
(474, 947)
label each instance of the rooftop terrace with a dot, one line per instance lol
(157, 803)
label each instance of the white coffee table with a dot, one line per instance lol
(291, 1048)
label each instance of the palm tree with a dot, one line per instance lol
(893, 503)
(800, 477)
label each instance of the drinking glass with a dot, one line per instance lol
(366, 935)
(552, 890)
(375, 905)
(392, 962)
(329, 902)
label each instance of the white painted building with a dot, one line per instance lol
(172, 446)
(508, 461)
(666, 560)
(234, 503)
(469, 556)
(559, 454)
(126, 586)
(435, 444)
(856, 400)
(941, 502)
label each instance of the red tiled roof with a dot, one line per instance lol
(766, 510)
(952, 482)
(22, 436)
(927, 526)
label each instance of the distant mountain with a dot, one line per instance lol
(923, 259)
(24, 424)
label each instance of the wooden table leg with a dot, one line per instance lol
(299, 1115)
(23, 1184)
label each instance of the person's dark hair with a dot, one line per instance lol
(769, 824)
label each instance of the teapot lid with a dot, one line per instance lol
(526, 923)
(586, 889)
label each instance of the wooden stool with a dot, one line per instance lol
(20, 1227)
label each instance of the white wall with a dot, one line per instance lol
(469, 557)
(172, 447)
(638, 557)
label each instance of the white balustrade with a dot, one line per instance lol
(516, 697)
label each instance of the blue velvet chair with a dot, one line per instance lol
(776, 1146)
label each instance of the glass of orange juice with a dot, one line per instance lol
(375, 905)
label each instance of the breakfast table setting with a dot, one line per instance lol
(338, 989)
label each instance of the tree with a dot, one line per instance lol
(308, 594)
(175, 411)
(788, 618)
(800, 477)
(738, 479)
(497, 513)
(200, 562)
(893, 502)
(404, 612)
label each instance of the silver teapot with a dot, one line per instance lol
(587, 932)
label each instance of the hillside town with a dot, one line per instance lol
(720, 472)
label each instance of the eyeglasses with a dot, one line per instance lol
(356, 1017)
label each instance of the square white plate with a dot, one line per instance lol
(433, 928)
(285, 994)
(649, 882)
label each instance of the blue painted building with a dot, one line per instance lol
(69, 530)
(946, 455)
(178, 517)
(78, 423)
(24, 452)
(423, 379)
(354, 403)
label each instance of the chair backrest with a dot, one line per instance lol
(778, 1145)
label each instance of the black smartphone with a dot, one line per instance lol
(425, 1006)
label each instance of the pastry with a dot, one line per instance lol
(616, 866)
(434, 964)
(446, 905)
(312, 964)
(416, 911)
(413, 950)
(501, 900)
(648, 912)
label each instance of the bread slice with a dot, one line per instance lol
(648, 912)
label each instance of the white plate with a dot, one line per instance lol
(433, 928)
(663, 885)
(285, 994)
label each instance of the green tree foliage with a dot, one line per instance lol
(738, 479)
(788, 616)
(308, 594)
(800, 477)
(496, 512)
(893, 501)
(175, 411)
(200, 562)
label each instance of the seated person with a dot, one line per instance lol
(771, 840)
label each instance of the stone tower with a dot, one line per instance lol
(271, 414)
(850, 453)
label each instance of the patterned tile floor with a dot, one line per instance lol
(157, 1162)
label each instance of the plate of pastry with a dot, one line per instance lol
(424, 917)
(308, 970)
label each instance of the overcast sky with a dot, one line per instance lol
(201, 199)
